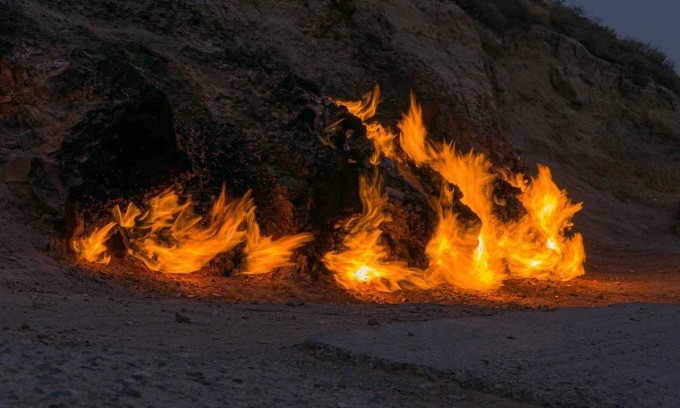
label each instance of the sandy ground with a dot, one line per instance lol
(98, 344)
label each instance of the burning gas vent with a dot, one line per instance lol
(476, 252)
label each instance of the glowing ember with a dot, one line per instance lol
(478, 257)
(169, 237)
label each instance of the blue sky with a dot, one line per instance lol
(656, 22)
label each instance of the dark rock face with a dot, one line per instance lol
(127, 143)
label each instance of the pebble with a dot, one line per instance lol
(180, 318)
(295, 302)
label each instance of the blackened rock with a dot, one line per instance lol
(129, 141)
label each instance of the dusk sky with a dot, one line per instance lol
(656, 22)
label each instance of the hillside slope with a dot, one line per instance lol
(226, 89)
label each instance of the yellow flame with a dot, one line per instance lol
(452, 246)
(363, 261)
(364, 109)
(381, 137)
(265, 254)
(479, 256)
(170, 237)
(413, 134)
(127, 219)
(471, 174)
(92, 248)
(536, 245)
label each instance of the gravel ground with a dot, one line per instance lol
(120, 349)
(618, 356)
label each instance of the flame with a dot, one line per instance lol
(265, 254)
(170, 237)
(382, 137)
(127, 219)
(538, 247)
(363, 260)
(92, 248)
(364, 109)
(452, 246)
(478, 256)
(471, 253)
(413, 133)
(471, 174)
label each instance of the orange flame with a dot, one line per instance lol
(92, 248)
(265, 254)
(363, 260)
(479, 256)
(170, 237)
(364, 109)
(413, 134)
(538, 246)
(471, 174)
(382, 137)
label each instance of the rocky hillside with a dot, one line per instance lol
(113, 97)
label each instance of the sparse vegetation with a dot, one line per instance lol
(638, 61)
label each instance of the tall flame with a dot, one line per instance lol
(413, 135)
(471, 174)
(381, 136)
(364, 259)
(170, 237)
(538, 246)
(479, 256)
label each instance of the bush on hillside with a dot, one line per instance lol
(638, 61)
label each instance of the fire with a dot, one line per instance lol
(539, 248)
(265, 254)
(479, 256)
(364, 259)
(168, 236)
(92, 248)
(382, 137)
(474, 253)
(471, 174)
(413, 133)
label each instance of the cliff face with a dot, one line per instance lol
(231, 90)
(614, 145)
